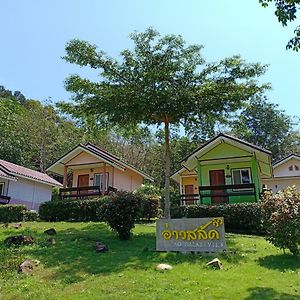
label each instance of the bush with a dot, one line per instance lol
(281, 219)
(12, 213)
(120, 211)
(240, 218)
(71, 210)
(150, 207)
(30, 215)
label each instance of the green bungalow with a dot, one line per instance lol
(224, 170)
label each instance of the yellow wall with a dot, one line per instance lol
(192, 180)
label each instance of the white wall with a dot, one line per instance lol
(29, 192)
(283, 169)
(278, 184)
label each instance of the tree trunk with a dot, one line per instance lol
(167, 213)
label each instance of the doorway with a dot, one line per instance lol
(217, 178)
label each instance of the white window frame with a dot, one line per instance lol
(100, 180)
(2, 188)
(240, 170)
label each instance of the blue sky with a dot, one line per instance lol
(34, 33)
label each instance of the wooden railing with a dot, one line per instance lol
(4, 199)
(83, 192)
(226, 191)
(219, 191)
(189, 199)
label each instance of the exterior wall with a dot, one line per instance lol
(83, 158)
(283, 170)
(29, 192)
(283, 177)
(192, 180)
(204, 180)
(232, 157)
(122, 180)
(277, 184)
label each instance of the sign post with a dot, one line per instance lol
(190, 235)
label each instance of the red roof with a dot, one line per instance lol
(10, 170)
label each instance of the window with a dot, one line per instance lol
(241, 176)
(1, 188)
(290, 168)
(98, 180)
(296, 168)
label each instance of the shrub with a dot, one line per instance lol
(30, 215)
(148, 189)
(12, 213)
(281, 219)
(71, 210)
(241, 218)
(174, 197)
(120, 211)
(150, 207)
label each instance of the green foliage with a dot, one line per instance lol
(72, 210)
(12, 213)
(120, 212)
(285, 12)
(242, 217)
(281, 217)
(174, 197)
(263, 124)
(29, 216)
(150, 207)
(160, 81)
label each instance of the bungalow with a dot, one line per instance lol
(223, 170)
(286, 172)
(95, 171)
(20, 185)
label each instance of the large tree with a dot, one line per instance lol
(264, 124)
(161, 81)
(286, 11)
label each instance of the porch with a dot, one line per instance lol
(81, 192)
(220, 194)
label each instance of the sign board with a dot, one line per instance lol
(195, 234)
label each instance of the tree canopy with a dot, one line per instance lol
(160, 81)
(286, 11)
(264, 124)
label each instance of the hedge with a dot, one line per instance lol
(238, 218)
(71, 210)
(88, 209)
(12, 213)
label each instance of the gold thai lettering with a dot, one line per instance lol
(199, 233)
(182, 233)
(175, 233)
(166, 233)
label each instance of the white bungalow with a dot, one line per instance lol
(286, 172)
(20, 185)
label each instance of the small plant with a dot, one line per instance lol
(120, 212)
(281, 219)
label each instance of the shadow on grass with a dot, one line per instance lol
(268, 294)
(73, 257)
(280, 262)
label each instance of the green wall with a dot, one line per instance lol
(228, 159)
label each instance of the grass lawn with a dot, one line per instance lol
(71, 269)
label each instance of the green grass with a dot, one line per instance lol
(71, 269)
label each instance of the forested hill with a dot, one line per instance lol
(35, 134)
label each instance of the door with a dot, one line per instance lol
(217, 178)
(189, 190)
(83, 180)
